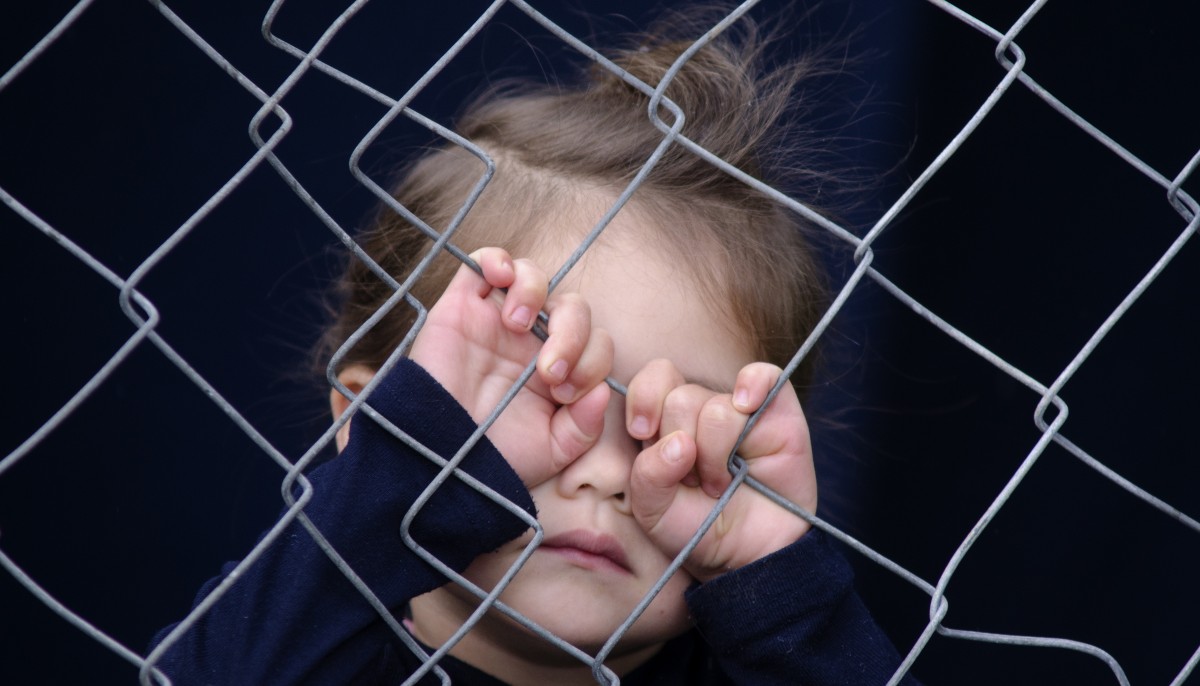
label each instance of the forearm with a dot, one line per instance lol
(293, 616)
(793, 618)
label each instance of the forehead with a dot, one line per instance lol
(646, 296)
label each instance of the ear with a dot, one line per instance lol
(354, 378)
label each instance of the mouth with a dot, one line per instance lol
(588, 549)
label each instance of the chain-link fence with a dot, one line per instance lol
(78, 355)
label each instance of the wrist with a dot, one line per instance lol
(778, 535)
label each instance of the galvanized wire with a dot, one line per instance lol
(296, 491)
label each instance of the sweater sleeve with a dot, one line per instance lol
(793, 617)
(293, 617)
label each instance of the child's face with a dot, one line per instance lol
(652, 309)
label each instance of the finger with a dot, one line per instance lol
(645, 395)
(574, 358)
(781, 429)
(526, 295)
(779, 451)
(594, 365)
(753, 383)
(497, 267)
(575, 428)
(717, 429)
(681, 409)
(567, 334)
(654, 481)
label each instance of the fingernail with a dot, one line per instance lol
(521, 316)
(558, 370)
(564, 392)
(673, 450)
(741, 398)
(640, 426)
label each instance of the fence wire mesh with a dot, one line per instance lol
(270, 126)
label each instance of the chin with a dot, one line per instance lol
(652, 629)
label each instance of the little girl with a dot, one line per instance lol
(693, 297)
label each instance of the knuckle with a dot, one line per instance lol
(655, 374)
(675, 401)
(658, 363)
(569, 338)
(530, 274)
(772, 373)
(762, 371)
(604, 343)
(662, 368)
(685, 401)
(718, 412)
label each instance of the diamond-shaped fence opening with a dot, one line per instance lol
(1001, 426)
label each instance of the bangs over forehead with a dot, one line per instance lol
(564, 154)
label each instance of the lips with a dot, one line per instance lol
(588, 549)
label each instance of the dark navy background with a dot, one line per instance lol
(1026, 241)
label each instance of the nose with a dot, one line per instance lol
(603, 471)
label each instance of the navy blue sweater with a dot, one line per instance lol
(789, 618)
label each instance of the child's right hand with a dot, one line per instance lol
(476, 342)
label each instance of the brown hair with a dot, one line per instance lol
(557, 145)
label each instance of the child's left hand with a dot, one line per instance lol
(676, 481)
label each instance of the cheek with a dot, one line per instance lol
(486, 570)
(342, 437)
